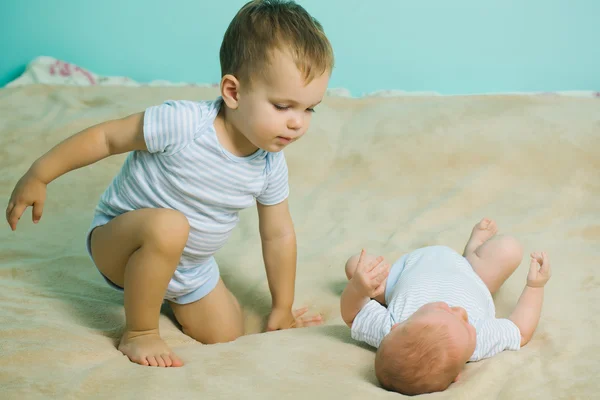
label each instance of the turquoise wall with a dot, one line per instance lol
(453, 47)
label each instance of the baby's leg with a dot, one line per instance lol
(493, 257)
(215, 318)
(482, 231)
(140, 251)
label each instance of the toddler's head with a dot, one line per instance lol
(427, 352)
(275, 67)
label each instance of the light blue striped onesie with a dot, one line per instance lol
(429, 275)
(187, 169)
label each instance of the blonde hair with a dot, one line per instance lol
(262, 26)
(417, 360)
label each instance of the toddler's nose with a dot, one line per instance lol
(294, 123)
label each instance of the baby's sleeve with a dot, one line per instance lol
(372, 323)
(170, 126)
(494, 336)
(276, 187)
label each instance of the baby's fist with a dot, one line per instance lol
(539, 271)
(370, 278)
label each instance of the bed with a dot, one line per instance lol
(389, 172)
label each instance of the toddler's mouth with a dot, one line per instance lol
(284, 139)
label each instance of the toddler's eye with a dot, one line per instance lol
(280, 108)
(310, 110)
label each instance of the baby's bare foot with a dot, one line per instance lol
(482, 231)
(147, 348)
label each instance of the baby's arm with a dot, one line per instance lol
(84, 148)
(529, 307)
(367, 282)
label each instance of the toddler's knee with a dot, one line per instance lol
(229, 336)
(168, 231)
(222, 335)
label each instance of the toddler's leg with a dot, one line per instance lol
(215, 318)
(140, 251)
(493, 257)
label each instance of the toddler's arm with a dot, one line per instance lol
(84, 148)
(367, 282)
(278, 239)
(526, 314)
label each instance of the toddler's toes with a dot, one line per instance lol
(138, 360)
(167, 360)
(175, 361)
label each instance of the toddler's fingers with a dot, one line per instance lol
(38, 209)
(310, 321)
(9, 209)
(299, 312)
(15, 215)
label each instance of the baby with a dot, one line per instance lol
(440, 313)
(192, 166)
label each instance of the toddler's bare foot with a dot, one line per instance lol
(147, 348)
(482, 231)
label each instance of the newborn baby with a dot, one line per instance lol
(432, 310)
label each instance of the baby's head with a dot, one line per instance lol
(275, 67)
(427, 352)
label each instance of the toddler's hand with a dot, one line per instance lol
(285, 319)
(369, 278)
(29, 191)
(539, 271)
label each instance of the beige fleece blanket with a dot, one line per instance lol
(388, 174)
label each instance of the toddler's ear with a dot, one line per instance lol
(229, 91)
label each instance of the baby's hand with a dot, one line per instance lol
(539, 275)
(369, 279)
(29, 191)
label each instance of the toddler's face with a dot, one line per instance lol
(277, 111)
